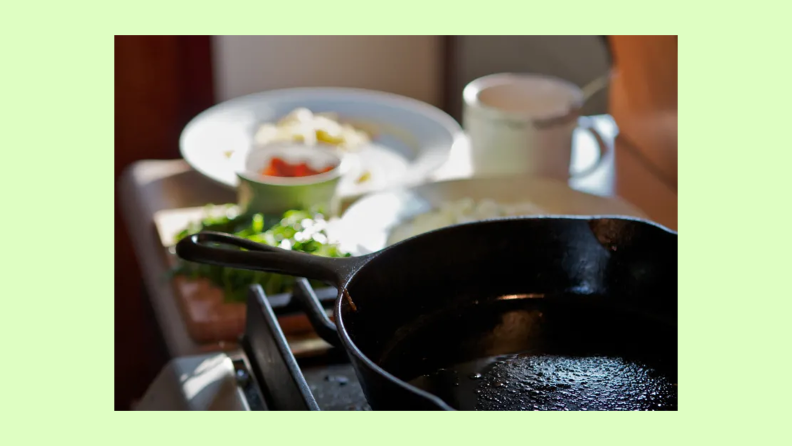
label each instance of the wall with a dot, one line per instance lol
(407, 65)
(578, 59)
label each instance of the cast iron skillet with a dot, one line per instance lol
(548, 313)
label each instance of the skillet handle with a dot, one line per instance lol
(198, 248)
(324, 327)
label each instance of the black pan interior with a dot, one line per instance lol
(539, 314)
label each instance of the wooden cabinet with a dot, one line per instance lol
(643, 97)
(161, 82)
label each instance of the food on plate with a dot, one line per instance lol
(278, 167)
(295, 230)
(310, 128)
(461, 211)
(365, 176)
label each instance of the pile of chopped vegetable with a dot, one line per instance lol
(295, 230)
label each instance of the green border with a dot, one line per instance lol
(57, 314)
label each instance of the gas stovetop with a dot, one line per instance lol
(264, 375)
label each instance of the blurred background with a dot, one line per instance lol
(161, 82)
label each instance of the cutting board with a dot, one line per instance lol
(208, 317)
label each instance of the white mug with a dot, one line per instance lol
(523, 124)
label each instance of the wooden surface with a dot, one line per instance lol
(637, 183)
(144, 189)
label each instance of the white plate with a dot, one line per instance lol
(412, 138)
(366, 226)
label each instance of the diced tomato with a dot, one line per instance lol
(280, 168)
(270, 171)
(284, 169)
(302, 170)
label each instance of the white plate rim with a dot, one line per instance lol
(229, 179)
(355, 240)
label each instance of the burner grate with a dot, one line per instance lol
(273, 379)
